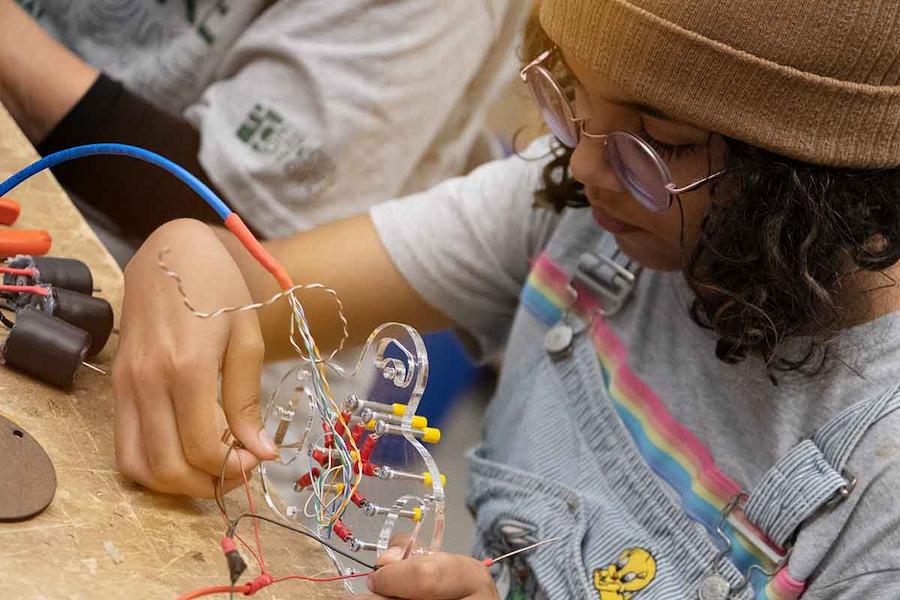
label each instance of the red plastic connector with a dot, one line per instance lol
(342, 532)
(357, 432)
(320, 456)
(306, 479)
(329, 436)
(368, 447)
(340, 425)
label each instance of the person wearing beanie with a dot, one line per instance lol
(693, 282)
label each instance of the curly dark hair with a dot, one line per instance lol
(775, 252)
(772, 269)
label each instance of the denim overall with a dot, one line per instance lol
(558, 461)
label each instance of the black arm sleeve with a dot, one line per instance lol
(136, 196)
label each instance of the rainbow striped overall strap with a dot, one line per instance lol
(669, 448)
(796, 486)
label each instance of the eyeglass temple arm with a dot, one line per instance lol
(543, 56)
(672, 189)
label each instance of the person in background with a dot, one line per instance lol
(297, 111)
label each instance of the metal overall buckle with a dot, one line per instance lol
(716, 586)
(609, 280)
(612, 283)
(844, 491)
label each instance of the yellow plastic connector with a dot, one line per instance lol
(339, 488)
(418, 422)
(428, 480)
(417, 514)
(431, 435)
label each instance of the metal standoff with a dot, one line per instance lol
(369, 417)
(429, 435)
(383, 472)
(371, 509)
(357, 545)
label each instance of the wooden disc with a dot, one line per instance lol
(27, 477)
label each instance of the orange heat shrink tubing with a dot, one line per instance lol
(36, 242)
(9, 211)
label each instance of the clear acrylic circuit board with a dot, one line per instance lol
(356, 470)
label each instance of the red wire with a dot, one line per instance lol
(215, 589)
(25, 289)
(320, 579)
(14, 271)
(250, 550)
(239, 538)
(243, 589)
(247, 589)
(261, 558)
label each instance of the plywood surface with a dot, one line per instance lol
(103, 537)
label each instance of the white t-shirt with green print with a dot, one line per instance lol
(308, 110)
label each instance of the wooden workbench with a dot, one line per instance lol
(103, 537)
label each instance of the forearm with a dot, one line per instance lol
(60, 101)
(349, 257)
(40, 80)
(135, 195)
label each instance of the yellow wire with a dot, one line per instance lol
(322, 372)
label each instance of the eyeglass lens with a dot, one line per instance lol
(639, 170)
(554, 106)
(636, 166)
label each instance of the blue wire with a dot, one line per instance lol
(51, 160)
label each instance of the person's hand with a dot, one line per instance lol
(168, 421)
(438, 576)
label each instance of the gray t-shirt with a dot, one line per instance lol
(468, 246)
(308, 110)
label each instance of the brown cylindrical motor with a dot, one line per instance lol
(94, 315)
(66, 273)
(46, 347)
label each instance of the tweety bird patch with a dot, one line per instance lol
(632, 572)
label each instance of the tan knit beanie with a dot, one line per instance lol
(817, 80)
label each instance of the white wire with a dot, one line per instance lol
(324, 403)
(288, 293)
(306, 512)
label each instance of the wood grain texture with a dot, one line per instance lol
(103, 537)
